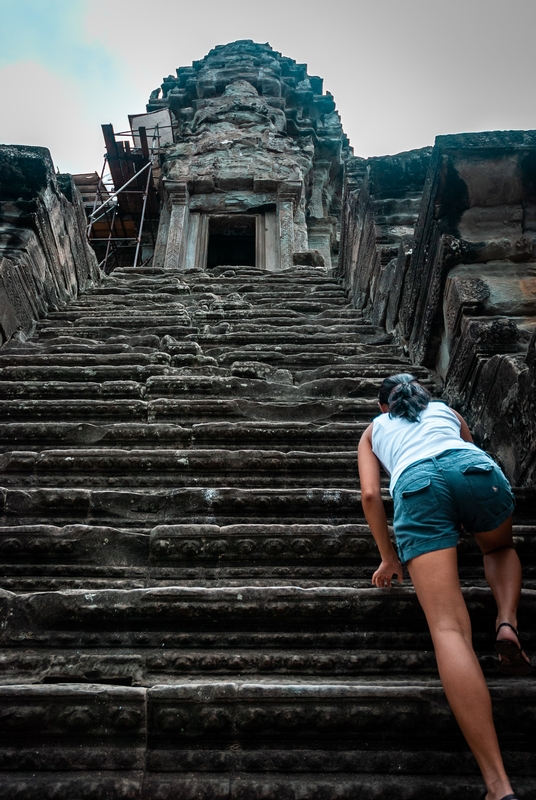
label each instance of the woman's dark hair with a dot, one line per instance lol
(405, 396)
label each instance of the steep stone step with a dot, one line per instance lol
(278, 337)
(202, 385)
(85, 359)
(283, 436)
(198, 505)
(113, 331)
(262, 737)
(97, 372)
(296, 358)
(49, 401)
(47, 557)
(41, 435)
(112, 467)
(66, 400)
(167, 409)
(250, 613)
(210, 553)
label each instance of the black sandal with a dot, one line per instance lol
(513, 661)
(506, 796)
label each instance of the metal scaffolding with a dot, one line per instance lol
(122, 202)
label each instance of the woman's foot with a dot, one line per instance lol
(485, 796)
(511, 796)
(512, 659)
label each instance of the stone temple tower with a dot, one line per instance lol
(254, 176)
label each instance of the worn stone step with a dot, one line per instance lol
(69, 405)
(41, 435)
(130, 320)
(281, 410)
(31, 577)
(76, 618)
(235, 785)
(213, 468)
(306, 357)
(151, 661)
(285, 436)
(84, 359)
(149, 664)
(66, 400)
(118, 288)
(98, 332)
(73, 345)
(202, 385)
(352, 350)
(281, 337)
(169, 649)
(198, 505)
(73, 312)
(28, 395)
(210, 726)
(338, 316)
(179, 545)
(182, 545)
(97, 372)
(127, 300)
(49, 557)
(304, 329)
(267, 283)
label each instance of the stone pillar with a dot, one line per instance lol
(178, 224)
(287, 196)
(301, 241)
(162, 237)
(320, 178)
(320, 235)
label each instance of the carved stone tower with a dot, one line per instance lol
(254, 175)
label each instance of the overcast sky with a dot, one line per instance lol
(401, 71)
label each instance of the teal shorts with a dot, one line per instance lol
(435, 497)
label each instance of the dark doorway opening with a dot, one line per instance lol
(231, 241)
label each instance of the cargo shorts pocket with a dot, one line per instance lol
(485, 480)
(418, 498)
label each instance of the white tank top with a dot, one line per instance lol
(398, 443)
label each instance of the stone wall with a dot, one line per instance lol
(44, 256)
(439, 247)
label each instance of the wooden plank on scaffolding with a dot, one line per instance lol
(112, 152)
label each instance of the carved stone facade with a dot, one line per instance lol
(45, 259)
(257, 144)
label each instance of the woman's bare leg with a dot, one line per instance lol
(503, 574)
(436, 582)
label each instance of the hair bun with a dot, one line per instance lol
(405, 396)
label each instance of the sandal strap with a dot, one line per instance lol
(507, 625)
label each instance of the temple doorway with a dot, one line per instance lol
(231, 241)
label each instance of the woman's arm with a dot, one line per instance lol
(465, 433)
(371, 500)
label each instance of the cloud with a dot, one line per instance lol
(53, 33)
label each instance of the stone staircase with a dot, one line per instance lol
(186, 600)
